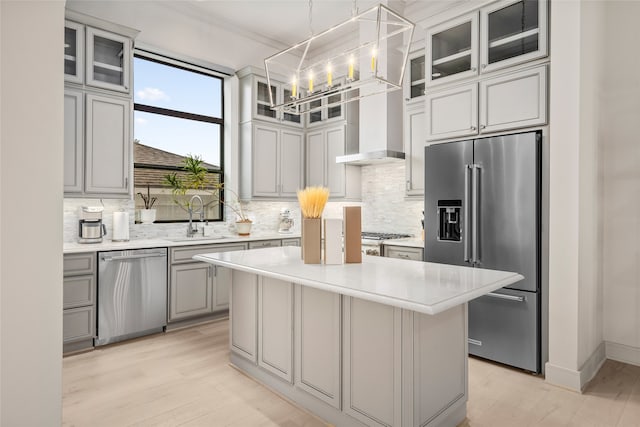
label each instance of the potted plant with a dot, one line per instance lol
(147, 215)
(196, 179)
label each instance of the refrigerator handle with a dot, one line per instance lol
(467, 203)
(475, 195)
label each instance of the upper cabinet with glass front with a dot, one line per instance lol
(512, 32)
(452, 49)
(414, 81)
(500, 35)
(108, 60)
(97, 53)
(262, 102)
(73, 52)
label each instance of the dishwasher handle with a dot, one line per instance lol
(134, 256)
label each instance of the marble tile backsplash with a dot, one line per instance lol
(384, 209)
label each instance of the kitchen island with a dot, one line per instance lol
(383, 342)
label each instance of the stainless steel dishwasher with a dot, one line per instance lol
(132, 294)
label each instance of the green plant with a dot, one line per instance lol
(196, 178)
(148, 200)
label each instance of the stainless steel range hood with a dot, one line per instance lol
(380, 131)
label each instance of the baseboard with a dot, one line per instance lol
(623, 353)
(576, 380)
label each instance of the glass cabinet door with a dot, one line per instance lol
(288, 117)
(73, 49)
(416, 76)
(108, 60)
(263, 101)
(453, 49)
(513, 32)
(316, 115)
(334, 111)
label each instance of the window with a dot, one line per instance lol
(178, 112)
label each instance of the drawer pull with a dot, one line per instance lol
(474, 342)
(507, 297)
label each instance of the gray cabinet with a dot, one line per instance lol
(243, 333)
(317, 344)
(275, 327)
(403, 252)
(108, 145)
(79, 301)
(291, 242)
(323, 146)
(73, 140)
(108, 60)
(274, 243)
(372, 363)
(274, 160)
(73, 52)
(507, 101)
(198, 288)
(414, 143)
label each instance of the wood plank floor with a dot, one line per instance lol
(182, 378)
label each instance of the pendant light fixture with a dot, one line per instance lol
(362, 56)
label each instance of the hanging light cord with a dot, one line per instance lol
(310, 16)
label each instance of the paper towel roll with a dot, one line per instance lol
(120, 227)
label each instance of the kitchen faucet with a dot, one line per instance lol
(191, 230)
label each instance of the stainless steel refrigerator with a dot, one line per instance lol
(482, 209)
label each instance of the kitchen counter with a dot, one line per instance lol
(383, 342)
(108, 245)
(424, 287)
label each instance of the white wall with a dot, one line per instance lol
(621, 159)
(31, 212)
(575, 287)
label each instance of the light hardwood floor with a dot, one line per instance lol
(182, 378)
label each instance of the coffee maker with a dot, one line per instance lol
(286, 222)
(90, 226)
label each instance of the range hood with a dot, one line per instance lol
(379, 131)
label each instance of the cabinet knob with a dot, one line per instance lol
(407, 99)
(484, 66)
(474, 69)
(482, 126)
(473, 128)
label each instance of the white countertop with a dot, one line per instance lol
(419, 286)
(108, 245)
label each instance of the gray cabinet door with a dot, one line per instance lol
(317, 344)
(265, 161)
(73, 140)
(78, 291)
(315, 158)
(79, 264)
(291, 163)
(335, 174)
(244, 310)
(265, 244)
(372, 363)
(221, 286)
(191, 290)
(275, 326)
(403, 252)
(414, 135)
(78, 324)
(108, 145)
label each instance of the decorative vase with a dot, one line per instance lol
(147, 216)
(243, 228)
(311, 240)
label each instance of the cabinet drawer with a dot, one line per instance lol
(403, 252)
(186, 253)
(265, 244)
(291, 242)
(78, 291)
(79, 264)
(78, 323)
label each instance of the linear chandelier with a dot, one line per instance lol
(362, 56)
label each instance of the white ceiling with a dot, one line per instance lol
(236, 33)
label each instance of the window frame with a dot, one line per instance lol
(186, 66)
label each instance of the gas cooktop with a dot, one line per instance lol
(369, 235)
